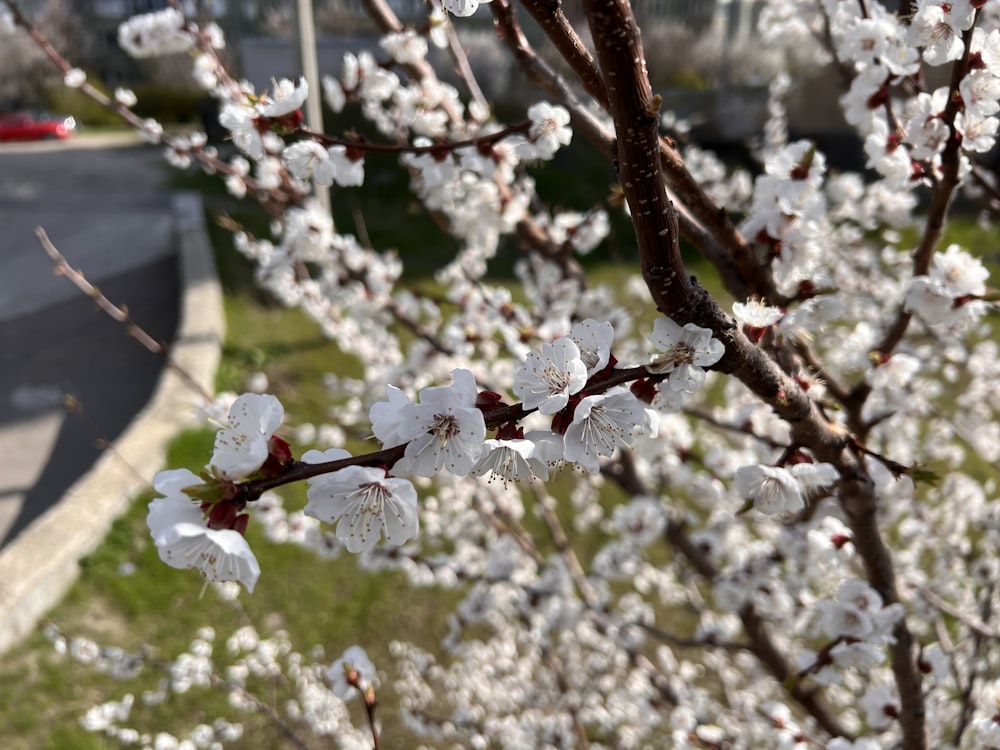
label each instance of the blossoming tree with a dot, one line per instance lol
(801, 461)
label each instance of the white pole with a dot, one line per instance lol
(310, 69)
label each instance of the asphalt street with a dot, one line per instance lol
(103, 203)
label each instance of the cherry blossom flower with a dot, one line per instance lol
(641, 521)
(307, 159)
(443, 430)
(602, 423)
(153, 34)
(987, 45)
(857, 100)
(286, 97)
(303, 157)
(184, 541)
(511, 461)
(387, 417)
(881, 706)
(937, 26)
(549, 129)
(844, 619)
(582, 231)
(340, 168)
(857, 655)
(106, 715)
(406, 47)
(75, 78)
(927, 132)
(333, 93)
(352, 674)
(980, 91)
(756, 314)
(954, 275)
(685, 352)
(462, 8)
(894, 373)
(978, 133)
(238, 119)
(365, 502)
(814, 476)
(594, 341)
(962, 273)
(243, 447)
(548, 378)
(125, 97)
(929, 298)
(773, 489)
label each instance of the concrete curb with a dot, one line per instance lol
(40, 565)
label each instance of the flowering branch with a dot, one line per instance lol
(297, 471)
(942, 195)
(438, 149)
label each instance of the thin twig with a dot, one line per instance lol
(265, 708)
(118, 314)
(972, 622)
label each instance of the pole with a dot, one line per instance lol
(310, 69)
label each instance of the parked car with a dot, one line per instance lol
(33, 126)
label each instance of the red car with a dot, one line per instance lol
(33, 126)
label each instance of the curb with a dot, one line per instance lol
(41, 564)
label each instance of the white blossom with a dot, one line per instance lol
(353, 665)
(600, 424)
(285, 97)
(511, 461)
(444, 430)
(549, 129)
(685, 351)
(594, 341)
(184, 541)
(163, 32)
(548, 378)
(365, 503)
(242, 448)
(773, 489)
(462, 8)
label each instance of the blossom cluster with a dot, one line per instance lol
(243, 666)
(445, 430)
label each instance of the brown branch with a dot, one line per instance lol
(118, 314)
(547, 506)
(742, 274)
(636, 117)
(619, 48)
(549, 16)
(675, 640)
(744, 429)
(462, 66)
(973, 623)
(593, 130)
(488, 139)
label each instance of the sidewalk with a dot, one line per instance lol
(149, 251)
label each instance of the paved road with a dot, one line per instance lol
(103, 204)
